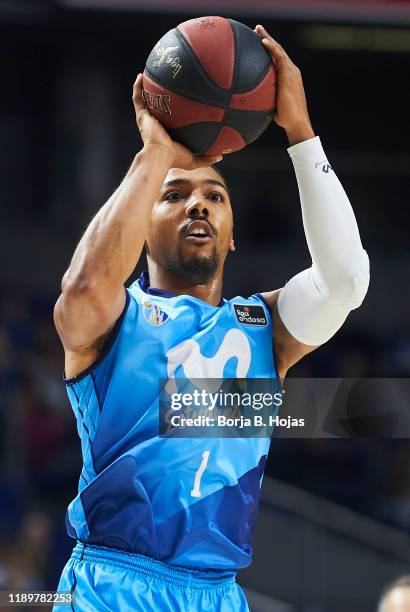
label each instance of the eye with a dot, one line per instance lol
(173, 196)
(215, 196)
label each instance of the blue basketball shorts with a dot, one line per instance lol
(108, 580)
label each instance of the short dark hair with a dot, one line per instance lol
(400, 583)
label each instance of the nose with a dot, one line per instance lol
(197, 208)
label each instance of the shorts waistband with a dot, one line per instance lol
(194, 579)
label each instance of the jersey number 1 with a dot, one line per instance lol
(196, 491)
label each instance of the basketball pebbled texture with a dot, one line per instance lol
(211, 83)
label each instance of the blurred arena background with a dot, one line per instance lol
(334, 525)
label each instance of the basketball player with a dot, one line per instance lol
(165, 523)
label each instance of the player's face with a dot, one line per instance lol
(191, 223)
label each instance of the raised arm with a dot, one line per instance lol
(314, 304)
(93, 294)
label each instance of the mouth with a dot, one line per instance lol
(199, 232)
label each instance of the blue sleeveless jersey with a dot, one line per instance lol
(137, 490)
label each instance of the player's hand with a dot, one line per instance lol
(291, 108)
(154, 134)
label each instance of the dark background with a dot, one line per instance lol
(68, 136)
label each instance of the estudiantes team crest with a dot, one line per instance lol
(154, 314)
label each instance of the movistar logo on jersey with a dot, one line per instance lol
(250, 314)
(154, 314)
(196, 365)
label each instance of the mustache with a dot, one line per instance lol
(190, 220)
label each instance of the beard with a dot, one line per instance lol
(195, 269)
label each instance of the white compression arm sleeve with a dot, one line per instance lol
(314, 304)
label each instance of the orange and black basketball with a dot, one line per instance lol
(211, 83)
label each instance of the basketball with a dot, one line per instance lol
(211, 84)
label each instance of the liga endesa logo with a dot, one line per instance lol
(250, 314)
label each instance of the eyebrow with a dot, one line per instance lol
(187, 181)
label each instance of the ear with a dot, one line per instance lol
(232, 245)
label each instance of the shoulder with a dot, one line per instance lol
(271, 298)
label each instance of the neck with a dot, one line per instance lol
(209, 290)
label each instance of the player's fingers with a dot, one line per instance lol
(138, 81)
(278, 52)
(143, 116)
(259, 29)
(201, 161)
(137, 94)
